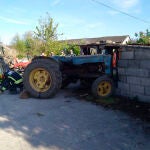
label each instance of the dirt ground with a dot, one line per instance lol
(73, 120)
(132, 107)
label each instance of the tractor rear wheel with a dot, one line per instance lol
(42, 79)
(102, 87)
(53, 64)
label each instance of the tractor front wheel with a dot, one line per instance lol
(102, 87)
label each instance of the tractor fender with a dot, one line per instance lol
(49, 60)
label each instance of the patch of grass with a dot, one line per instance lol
(132, 107)
(39, 114)
(89, 98)
(102, 101)
(106, 101)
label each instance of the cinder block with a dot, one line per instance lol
(134, 80)
(147, 90)
(145, 64)
(123, 63)
(125, 93)
(137, 72)
(140, 97)
(123, 78)
(123, 86)
(124, 48)
(133, 63)
(117, 91)
(130, 48)
(144, 98)
(142, 54)
(145, 81)
(136, 89)
(121, 71)
(122, 93)
(133, 95)
(127, 55)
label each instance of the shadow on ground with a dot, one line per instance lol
(132, 107)
(67, 123)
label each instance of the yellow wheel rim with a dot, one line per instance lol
(104, 88)
(40, 80)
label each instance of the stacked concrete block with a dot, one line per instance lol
(134, 72)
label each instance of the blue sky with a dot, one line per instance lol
(76, 18)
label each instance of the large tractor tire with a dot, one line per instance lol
(42, 79)
(102, 87)
(52, 64)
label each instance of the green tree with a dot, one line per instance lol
(75, 48)
(43, 39)
(143, 37)
(28, 39)
(47, 29)
(19, 45)
(46, 34)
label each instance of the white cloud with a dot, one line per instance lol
(69, 21)
(112, 12)
(83, 30)
(74, 27)
(55, 2)
(126, 4)
(93, 25)
(14, 21)
(137, 11)
(15, 10)
(6, 39)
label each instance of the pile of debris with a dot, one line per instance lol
(7, 53)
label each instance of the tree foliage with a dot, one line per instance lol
(143, 37)
(46, 34)
(19, 45)
(43, 39)
(47, 29)
(75, 48)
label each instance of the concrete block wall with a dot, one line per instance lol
(134, 72)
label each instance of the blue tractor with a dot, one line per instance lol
(44, 76)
